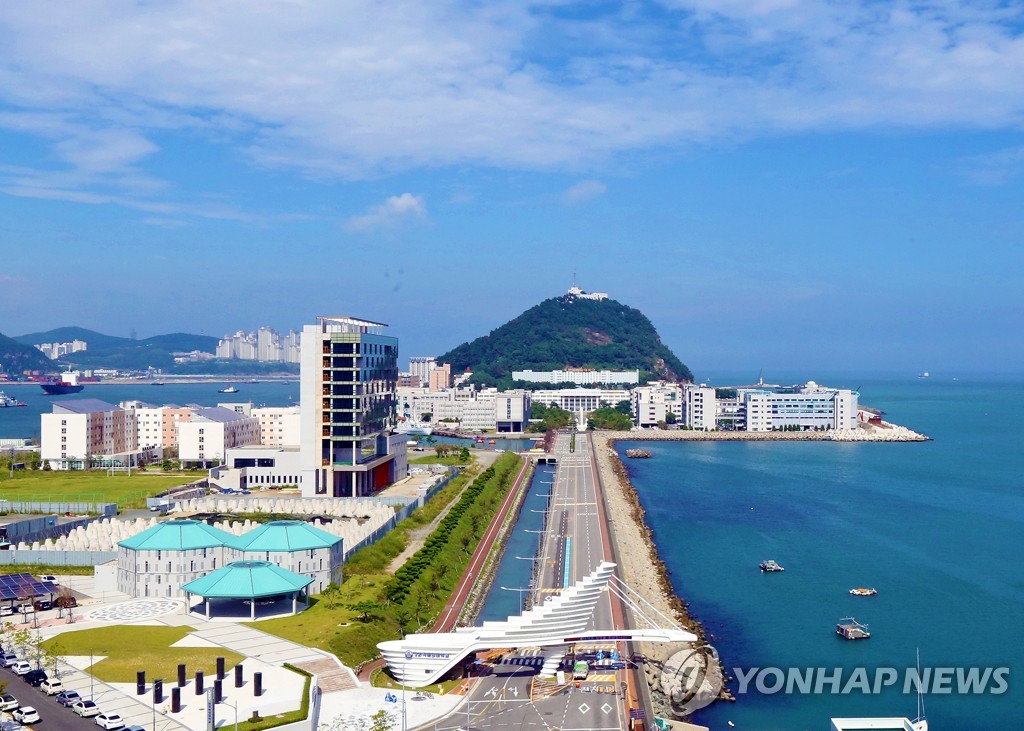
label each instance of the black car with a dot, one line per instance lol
(42, 605)
(34, 678)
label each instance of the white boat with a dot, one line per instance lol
(923, 374)
(229, 389)
(6, 400)
(411, 427)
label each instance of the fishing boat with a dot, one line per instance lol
(7, 401)
(229, 389)
(850, 629)
(860, 591)
(770, 566)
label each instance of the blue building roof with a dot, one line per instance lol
(283, 535)
(177, 535)
(247, 580)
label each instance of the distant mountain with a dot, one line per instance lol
(16, 357)
(570, 332)
(109, 351)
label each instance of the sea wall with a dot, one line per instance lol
(638, 559)
(885, 432)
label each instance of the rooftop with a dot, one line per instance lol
(248, 580)
(83, 406)
(177, 535)
(216, 413)
(283, 535)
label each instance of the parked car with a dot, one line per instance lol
(48, 577)
(109, 721)
(21, 667)
(86, 709)
(66, 602)
(8, 702)
(68, 697)
(6, 610)
(26, 714)
(7, 659)
(42, 605)
(35, 678)
(51, 686)
(134, 728)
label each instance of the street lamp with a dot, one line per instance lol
(233, 706)
(520, 590)
(405, 722)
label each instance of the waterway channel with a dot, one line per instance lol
(516, 568)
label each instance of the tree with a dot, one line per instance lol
(365, 609)
(609, 419)
(331, 594)
(427, 416)
(464, 455)
(382, 721)
(670, 417)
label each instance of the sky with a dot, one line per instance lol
(776, 184)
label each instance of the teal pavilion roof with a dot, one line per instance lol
(283, 535)
(177, 535)
(247, 580)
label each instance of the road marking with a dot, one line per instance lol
(584, 708)
(605, 709)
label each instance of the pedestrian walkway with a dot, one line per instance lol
(330, 674)
(257, 644)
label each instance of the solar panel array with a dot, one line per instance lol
(24, 586)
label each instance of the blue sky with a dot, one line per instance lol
(777, 184)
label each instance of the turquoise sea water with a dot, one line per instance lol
(937, 528)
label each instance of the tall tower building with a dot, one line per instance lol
(348, 395)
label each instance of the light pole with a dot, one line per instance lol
(520, 590)
(405, 722)
(234, 707)
(152, 697)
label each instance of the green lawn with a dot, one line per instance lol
(129, 649)
(93, 486)
(432, 458)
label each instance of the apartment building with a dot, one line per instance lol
(657, 402)
(84, 433)
(211, 431)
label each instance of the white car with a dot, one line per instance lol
(51, 686)
(109, 721)
(86, 709)
(21, 667)
(48, 577)
(26, 714)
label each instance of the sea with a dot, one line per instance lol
(22, 422)
(936, 527)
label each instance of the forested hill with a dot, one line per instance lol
(111, 351)
(570, 332)
(16, 357)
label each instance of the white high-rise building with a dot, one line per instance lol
(349, 407)
(657, 402)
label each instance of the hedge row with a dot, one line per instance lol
(499, 473)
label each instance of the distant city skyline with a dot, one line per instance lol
(786, 185)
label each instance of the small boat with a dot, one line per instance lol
(492, 441)
(923, 374)
(850, 629)
(479, 440)
(863, 592)
(770, 566)
(156, 383)
(7, 401)
(229, 389)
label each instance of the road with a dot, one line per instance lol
(575, 542)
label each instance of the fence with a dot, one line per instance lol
(31, 506)
(56, 558)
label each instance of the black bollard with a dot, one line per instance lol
(218, 691)
(140, 682)
(158, 691)
(257, 684)
(181, 676)
(199, 682)
(238, 675)
(220, 668)
(175, 700)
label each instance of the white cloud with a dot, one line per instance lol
(395, 211)
(583, 191)
(994, 168)
(362, 89)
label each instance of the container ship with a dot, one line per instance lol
(67, 383)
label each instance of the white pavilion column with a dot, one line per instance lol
(207, 607)
(295, 602)
(252, 610)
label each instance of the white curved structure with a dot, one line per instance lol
(422, 659)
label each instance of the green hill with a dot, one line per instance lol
(16, 357)
(569, 332)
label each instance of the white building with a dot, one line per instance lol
(422, 365)
(259, 466)
(279, 425)
(811, 407)
(575, 291)
(700, 410)
(213, 431)
(658, 402)
(88, 432)
(349, 407)
(579, 376)
(474, 409)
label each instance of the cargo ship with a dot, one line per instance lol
(67, 383)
